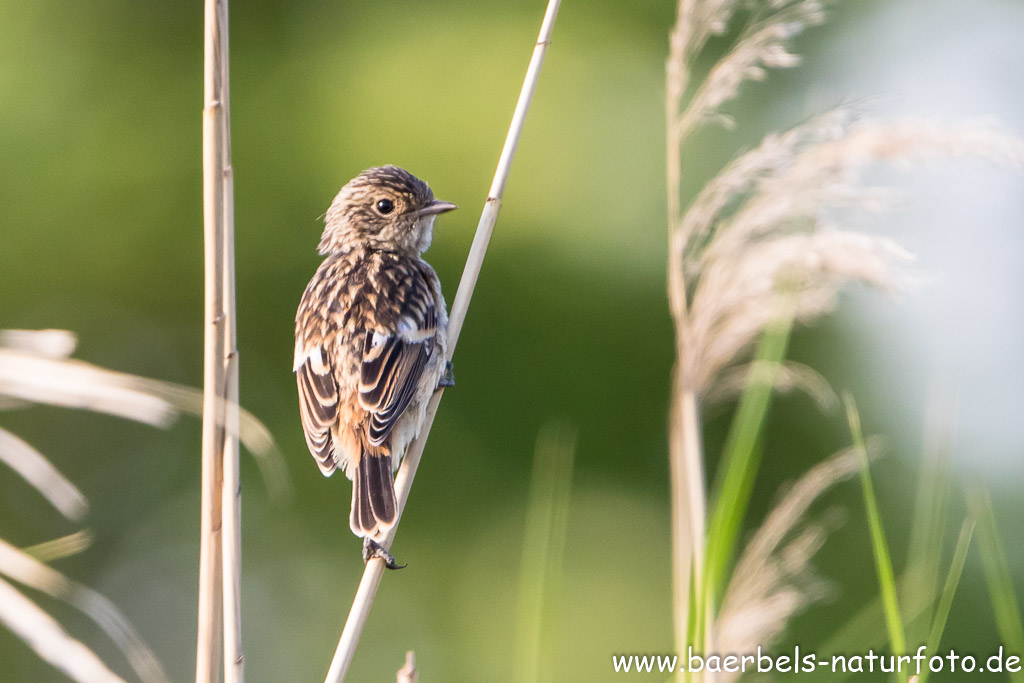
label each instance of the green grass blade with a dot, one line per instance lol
(883, 562)
(741, 458)
(956, 568)
(997, 576)
(547, 516)
(931, 506)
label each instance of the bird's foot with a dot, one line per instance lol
(448, 379)
(372, 549)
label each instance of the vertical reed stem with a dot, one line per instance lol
(219, 556)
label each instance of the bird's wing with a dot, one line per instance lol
(318, 403)
(394, 356)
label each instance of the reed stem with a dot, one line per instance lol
(403, 481)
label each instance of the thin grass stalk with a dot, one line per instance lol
(219, 359)
(880, 547)
(374, 570)
(861, 632)
(931, 504)
(956, 568)
(1007, 610)
(543, 543)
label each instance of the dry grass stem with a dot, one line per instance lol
(363, 600)
(44, 635)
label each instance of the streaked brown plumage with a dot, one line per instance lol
(370, 338)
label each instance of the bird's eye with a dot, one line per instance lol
(385, 206)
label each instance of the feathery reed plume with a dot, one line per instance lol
(766, 242)
(773, 579)
(784, 237)
(49, 343)
(23, 617)
(51, 642)
(763, 44)
(35, 367)
(785, 377)
(31, 373)
(40, 473)
(29, 621)
(403, 481)
(28, 571)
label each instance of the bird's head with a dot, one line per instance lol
(384, 208)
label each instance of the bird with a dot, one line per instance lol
(371, 341)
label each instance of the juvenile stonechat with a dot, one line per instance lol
(370, 340)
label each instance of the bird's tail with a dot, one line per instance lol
(374, 508)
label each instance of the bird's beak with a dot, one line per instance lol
(435, 207)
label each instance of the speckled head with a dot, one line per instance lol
(384, 208)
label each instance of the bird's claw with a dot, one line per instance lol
(448, 378)
(372, 549)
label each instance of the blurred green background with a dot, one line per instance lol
(101, 233)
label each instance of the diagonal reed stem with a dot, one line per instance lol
(403, 482)
(220, 524)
